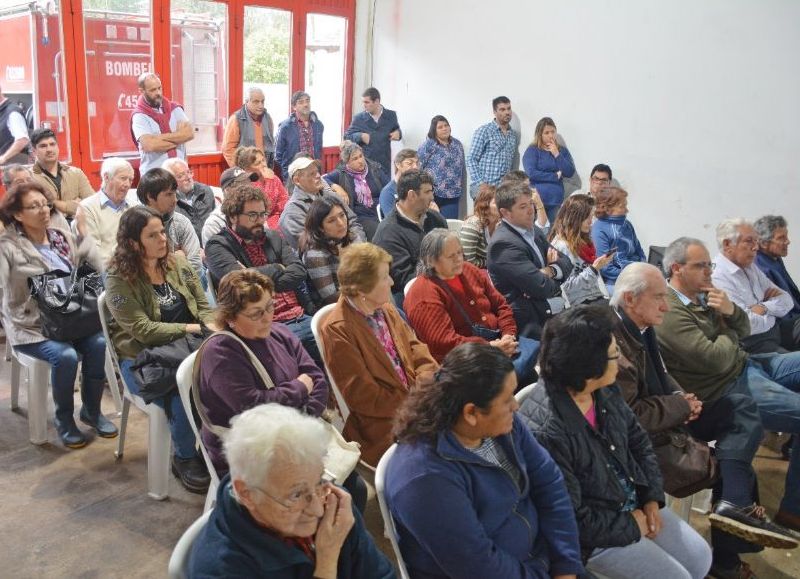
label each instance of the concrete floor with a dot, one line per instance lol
(83, 514)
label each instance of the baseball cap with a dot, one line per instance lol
(300, 164)
(236, 174)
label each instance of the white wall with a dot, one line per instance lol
(695, 104)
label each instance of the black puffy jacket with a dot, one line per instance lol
(584, 455)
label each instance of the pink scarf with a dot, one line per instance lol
(363, 194)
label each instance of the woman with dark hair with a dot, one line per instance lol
(547, 163)
(478, 228)
(442, 156)
(327, 231)
(31, 246)
(363, 181)
(571, 235)
(471, 491)
(252, 160)
(155, 298)
(608, 462)
(612, 232)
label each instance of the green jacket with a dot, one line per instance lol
(136, 316)
(700, 346)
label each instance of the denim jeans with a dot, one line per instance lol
(183, 437)
(774, 382)
(525, 362)
(677, 552)
(448, 206)
(63, 359)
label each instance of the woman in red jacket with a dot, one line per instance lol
(453, 302)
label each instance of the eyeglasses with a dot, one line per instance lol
(709, 265)
(38, 207)
(617, 355)
(299, 500)
(259, 314)
(599, 180)
(256, 215)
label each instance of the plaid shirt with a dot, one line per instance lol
(491, 154)
(306, 132)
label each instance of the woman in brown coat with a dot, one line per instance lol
(372, 355)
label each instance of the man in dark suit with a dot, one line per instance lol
(523, 266)
(375, 129)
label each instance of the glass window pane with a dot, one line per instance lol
(325, 52)
(118, 39)
(267, 59)
(32, 67)
(199, 69)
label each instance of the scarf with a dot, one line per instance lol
(161, 118)
(363, 193)
(587, 253)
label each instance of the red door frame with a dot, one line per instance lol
(207, 167)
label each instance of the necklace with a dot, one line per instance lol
(164, 295)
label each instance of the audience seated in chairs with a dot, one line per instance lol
(252, 160)
(452, 302)
(277, 514)
(156, 298)
(612, 231)
(471, 491)
(16, 174)
(31, 246)
(228, 181)
(375, 357)
(404, 160)
(605, 455)
(195, 200)
(327, 233)
(363, 180)
(666, 411)
(478, 228)
(571, 235)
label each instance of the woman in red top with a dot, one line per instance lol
(453, 302)
(252, 159)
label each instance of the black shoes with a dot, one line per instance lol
(751, 524)
(104, 427)
(192, 473)
(741, 571)
(69, 433)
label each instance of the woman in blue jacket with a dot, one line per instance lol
(547, 164)
(471, 491)
(612, 231)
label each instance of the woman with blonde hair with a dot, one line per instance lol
(547, 163)
(378, 359)
(252, 160)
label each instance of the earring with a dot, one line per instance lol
(363, 298)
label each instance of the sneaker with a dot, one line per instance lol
(69, 434)
(104, 427)
(751, 524)
(741, 571)
(192, 473)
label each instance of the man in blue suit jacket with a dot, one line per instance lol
(374, 129)
(523, 265)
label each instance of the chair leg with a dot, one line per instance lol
(113, 384)
(159, 446)
(123, 426)
(38, 382)
(15, 377)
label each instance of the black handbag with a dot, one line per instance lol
(687, 464)
(68, 310)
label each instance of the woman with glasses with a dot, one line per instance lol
(31, 246)
(277, 515)
(578, 414)
(155, 298)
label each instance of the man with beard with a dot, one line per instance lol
(495, 148)
(245, 243)
(158, 189)
(159, 127)
(300, 133)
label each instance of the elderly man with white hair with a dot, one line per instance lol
(250, 126)
(277, 513)
(98, 216)
(736, 273)
(668, 412)
(195, 200)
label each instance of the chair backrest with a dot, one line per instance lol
(179, 561)
(388, 521)
(111, 352)
(520, 396)
(316, 324)
(455, 225)
(379, 211)
(408, 285)
(185, 385)
(655, 256)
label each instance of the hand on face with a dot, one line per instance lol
(718, 300)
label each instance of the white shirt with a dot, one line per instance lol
(17, 126)
(141, 125)
(746, 287)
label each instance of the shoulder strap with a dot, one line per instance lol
(259, 367)
(460, 307)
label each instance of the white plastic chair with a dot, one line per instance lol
(185, 386)
(159, 441)
(38, 380)
(316, 323)
(388, 522)
(179, 560)
(379, 211)
(455, 225)
(522, 394)
(408, 285)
